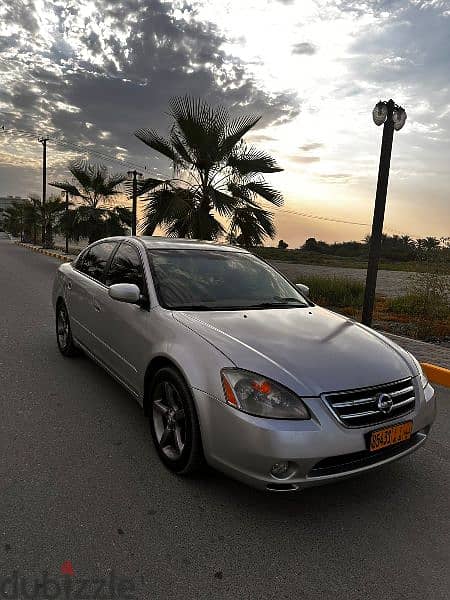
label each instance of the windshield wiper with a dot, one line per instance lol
(289, 299)
(284, 304)
(192, 307)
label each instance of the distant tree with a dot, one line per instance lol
(217, 179)
(312, 245)
(14, 219)
(282, 244)
(94, 185)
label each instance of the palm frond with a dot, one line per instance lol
(223, 203)
(180, 147)
(196, 224)
(82, 172)
(252, 160)
(164, 206)
(67, 187)
(111, 183)
(251, 224)
(263, 189)
(158, 143)
(235, 131)
(201, 128)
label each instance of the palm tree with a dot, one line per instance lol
(94, 185)
(50, 215)
(217, 178)
(14, 219)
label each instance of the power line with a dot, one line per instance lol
(322, 218)
(73, 146)
(105, 156)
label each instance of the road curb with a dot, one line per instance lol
(437, 374)
(52, 253)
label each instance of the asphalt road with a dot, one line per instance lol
(80, 482)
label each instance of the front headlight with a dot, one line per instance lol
(257, 395)
(423, 377)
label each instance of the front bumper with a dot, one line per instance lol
(319, 450)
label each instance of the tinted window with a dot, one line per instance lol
(95, 259)
(126, 267)
(213, 279)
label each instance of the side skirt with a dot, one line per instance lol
(113, 374)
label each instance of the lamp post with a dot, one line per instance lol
(43, 141)
(134, 176)
(392, 117)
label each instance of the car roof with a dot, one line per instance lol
(166, 243)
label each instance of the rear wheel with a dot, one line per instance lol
(64, 332)
(174, 423)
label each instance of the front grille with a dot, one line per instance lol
(359, 408)
(349, 462)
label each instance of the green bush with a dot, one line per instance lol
(335, 291)
(423, 305)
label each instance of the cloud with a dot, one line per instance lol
(304, 159)
(334, 177)
(312, 146)
(304, 48)
(115, 64)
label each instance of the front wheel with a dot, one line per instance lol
(174, 423)
(63, 332)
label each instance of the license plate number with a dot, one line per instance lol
(390, 435)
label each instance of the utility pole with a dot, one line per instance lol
(393, 117)
(67, 216)
(133, 175)
(44, 141)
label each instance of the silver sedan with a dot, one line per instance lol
(236, 367)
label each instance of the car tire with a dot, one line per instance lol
(174, 423)
(64, 337)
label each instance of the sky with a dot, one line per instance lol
(91, 72)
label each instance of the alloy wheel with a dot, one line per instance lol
(169, 420)
(62, 328)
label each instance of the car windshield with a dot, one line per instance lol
(219, 280)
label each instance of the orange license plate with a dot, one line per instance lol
(390, 435)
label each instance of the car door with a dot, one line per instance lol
(123, 325)
(86, 293)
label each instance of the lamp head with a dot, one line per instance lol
(399, 117)
(380, 112)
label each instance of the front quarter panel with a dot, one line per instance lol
(58, 283)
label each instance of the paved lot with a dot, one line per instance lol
(80, 481)
(389, 283)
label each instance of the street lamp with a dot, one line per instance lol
(391, 116)
(134, 176)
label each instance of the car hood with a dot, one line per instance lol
(310, 350)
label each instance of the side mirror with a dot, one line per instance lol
(125, 292)
(303, 289)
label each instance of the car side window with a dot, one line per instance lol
(95, 259)
(126, 267)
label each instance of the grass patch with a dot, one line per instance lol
(336, 292)
(305, 257)
(426, 306)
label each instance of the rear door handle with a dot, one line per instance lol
(97, 306)
(68, 285)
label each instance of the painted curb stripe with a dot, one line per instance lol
(61, 257)
(437, 374)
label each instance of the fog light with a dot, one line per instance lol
(280, 469)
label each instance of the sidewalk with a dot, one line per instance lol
(423, 351)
